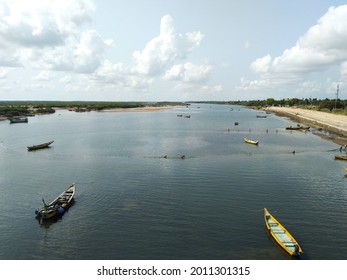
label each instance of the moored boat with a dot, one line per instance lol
(58, 205)
(341, 157)
(19, 120)
(251, 141)
(40, 146)
(297, 127)
(281, 235)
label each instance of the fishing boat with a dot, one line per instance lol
(341, 157)
(251, 141)
(19, 120)
(281, 235)
(261, 116)
(297, 127)
(40, 146)
(58, 205)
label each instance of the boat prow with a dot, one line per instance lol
(281, 235)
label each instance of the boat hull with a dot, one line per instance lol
(251, 141)
(41, 146)
(59, 205)
(281, 235)
(299, 127)
(341, 157)
(19, 120)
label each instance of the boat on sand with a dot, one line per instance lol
(58, 205)
(281, 235)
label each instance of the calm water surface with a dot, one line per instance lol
(132, 203)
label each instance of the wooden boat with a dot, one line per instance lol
(281, 235)
(58, 205)
(251, 141)
(341, 157)
(297, 127)
(40, 146)
(19, 120)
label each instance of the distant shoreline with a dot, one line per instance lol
(332, 123)
(15, 109)
(137, 110)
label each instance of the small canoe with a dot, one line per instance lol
(341, 157)
(58, 205)
(281, 235)
(19, 120)
(40, 146)
(251, 141)
(298, 127)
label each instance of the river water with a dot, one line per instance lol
(137, 198)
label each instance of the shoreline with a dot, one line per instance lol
(336, 125)
(137, 110)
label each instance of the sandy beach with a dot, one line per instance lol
(335, 124)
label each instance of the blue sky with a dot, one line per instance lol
(174, 50)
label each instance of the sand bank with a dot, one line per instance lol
(335, 124)
(139, 109)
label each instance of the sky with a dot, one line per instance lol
(172, 50)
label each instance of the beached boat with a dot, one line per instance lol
(297, 127)
(341, 157)
(58, 205)
(281, 235)
(19, 120)
(40, 146)
(251, 141)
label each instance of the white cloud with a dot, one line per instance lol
(41, 37)
(47, 35)
(262, 65)
(162, 51)
(322, 47)
(3, 73)
(189, 72)
(158, 60)
(43, 76)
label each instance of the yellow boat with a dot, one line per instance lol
(281, 235)
(341, 157)
(251, 141)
